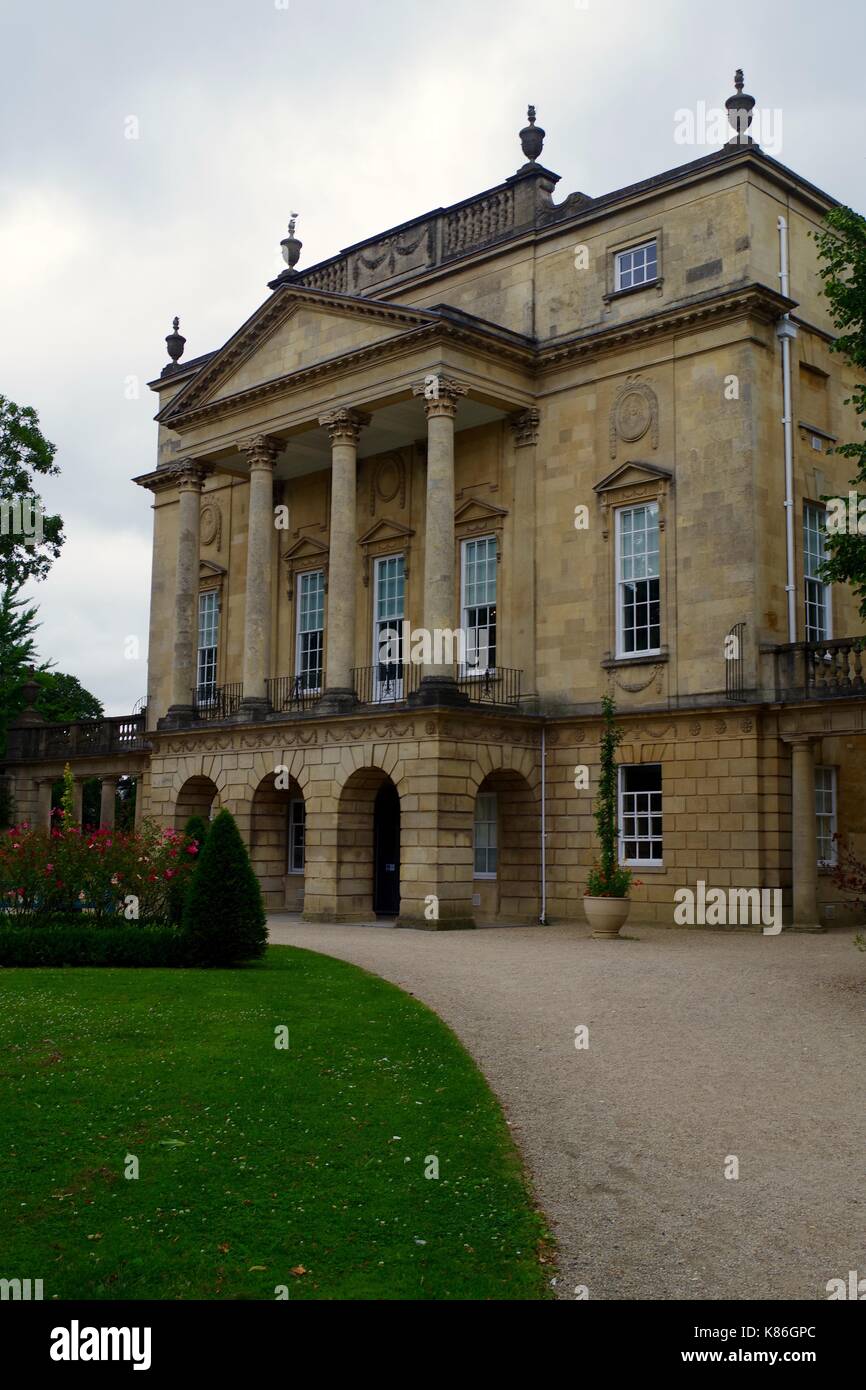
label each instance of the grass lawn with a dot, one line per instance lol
(258, 1167)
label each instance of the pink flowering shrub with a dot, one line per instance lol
(108, 876)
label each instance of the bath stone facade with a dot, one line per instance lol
(552, 427)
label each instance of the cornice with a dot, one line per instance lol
(755, 300)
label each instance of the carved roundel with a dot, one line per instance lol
(634, 413)
(633, 416)
(389, 480)
(211, 524)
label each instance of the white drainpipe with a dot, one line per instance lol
(786, 332)
(543, 917)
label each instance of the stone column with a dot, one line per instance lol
(441, 396)
(139, 800)
(43, 815)
(804, 835)
(189, 478)
(344, 427)
(78, 800)
(108, 801)
(261, 452)
(524, 428)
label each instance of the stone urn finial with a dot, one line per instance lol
(175, 342)
(739, 109)
(30, 690)
(531, 137)
(290, 244)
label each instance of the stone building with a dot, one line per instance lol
(587, 440)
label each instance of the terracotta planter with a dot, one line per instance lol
(606, 915)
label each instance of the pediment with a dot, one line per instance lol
(207, 569)
(385, 530)
(297, 328)
(474, 509)
(633, 474)
(307, 548)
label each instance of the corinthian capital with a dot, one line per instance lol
(344, 424)
(441, 394)
(261, 450)
(524, 424)
(188, 475)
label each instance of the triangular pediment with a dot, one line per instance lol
(475, 509)
(307, 548)
(630, 474)
(385, 530)
(297, 328)
(207, 569)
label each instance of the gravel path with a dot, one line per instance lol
(701, 1045)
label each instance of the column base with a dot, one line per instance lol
(254, 707)
(340, 700)
(176, 716)
(443, 924)
(438, 690)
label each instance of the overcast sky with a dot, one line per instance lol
(358, 116)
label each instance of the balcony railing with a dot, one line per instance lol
(500, 686)
(84, 738)
(390, 684)
(385, 684)
(217, 701)
(835, 667)
(290, 695)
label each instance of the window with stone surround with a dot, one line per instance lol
(817, 593)
(208, 643)
(640, 814)
(478, 604)
(297, 825)
(638, 604)
(485, 839)
(310, 631)
(636, 266)
(389, 601)
(825, 815)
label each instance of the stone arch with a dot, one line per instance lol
(359, 819)
(277, 803)
(197, 795)
(513, 892)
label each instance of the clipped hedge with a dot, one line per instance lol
(75, 944)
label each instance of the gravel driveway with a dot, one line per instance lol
(702, 1045)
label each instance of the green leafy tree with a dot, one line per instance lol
(25, 453)
(842, 254)
(61, 699)
(67, 799)
(606, 879)
(224, 917)
(18, 625)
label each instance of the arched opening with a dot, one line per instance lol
(368, 847)
(506, 880)
(197, 797)
(278, 842)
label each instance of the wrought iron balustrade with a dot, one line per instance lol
(217, 701)
(292, 694)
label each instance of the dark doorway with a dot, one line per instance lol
(386, 851)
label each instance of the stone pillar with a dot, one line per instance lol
(78, 800)
(139, 800)
(108, 801)
(804, 835)
(261, 452)
(344, 427)
(524, 428)
(189, 479)
(43, 815)
(441, 396)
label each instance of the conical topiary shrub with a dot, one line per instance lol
(197, 828)
(224, 917)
